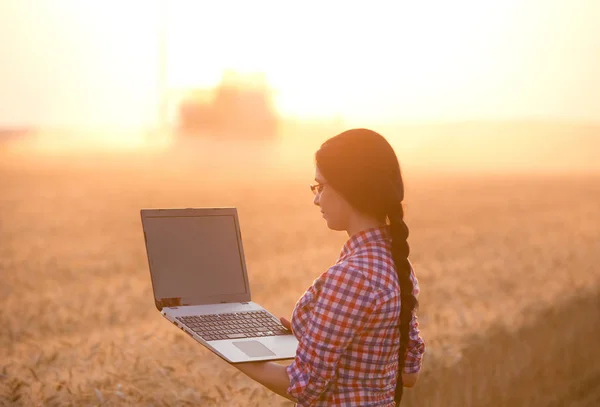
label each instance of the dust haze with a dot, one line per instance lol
(467, 148)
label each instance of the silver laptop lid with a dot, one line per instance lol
(195, 256)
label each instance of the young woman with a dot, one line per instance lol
(359, 341)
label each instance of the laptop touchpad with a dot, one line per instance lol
(253, 349)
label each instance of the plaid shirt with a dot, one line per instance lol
(347, 327)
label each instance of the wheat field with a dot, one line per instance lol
(508, 266)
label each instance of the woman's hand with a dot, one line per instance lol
(286, 324)
(270, 374)
(409, 379)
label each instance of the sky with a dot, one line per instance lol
(88, 63)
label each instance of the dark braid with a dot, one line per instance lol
(400, 252)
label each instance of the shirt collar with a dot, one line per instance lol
(366, 236)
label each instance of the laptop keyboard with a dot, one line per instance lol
(252, 324)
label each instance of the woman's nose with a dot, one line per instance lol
(316, 200)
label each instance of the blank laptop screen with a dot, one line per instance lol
(194, 257)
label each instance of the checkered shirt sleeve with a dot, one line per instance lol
(342, 307)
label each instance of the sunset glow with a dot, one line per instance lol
(97, 63)
(385, 61)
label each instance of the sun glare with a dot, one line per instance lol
(90, 64)
(374, 62)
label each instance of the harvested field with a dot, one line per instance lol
(508, 266)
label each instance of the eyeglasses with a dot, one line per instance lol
(317, 188)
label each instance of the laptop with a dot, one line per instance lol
(200, 284)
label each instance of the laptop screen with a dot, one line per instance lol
(195, 259)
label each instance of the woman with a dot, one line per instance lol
(359, 342)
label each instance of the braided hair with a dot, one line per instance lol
(362, 166)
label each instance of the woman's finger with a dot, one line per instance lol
(287, 324)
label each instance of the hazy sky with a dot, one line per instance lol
(86, 62)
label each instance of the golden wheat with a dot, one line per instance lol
(79, 326)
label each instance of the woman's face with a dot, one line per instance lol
(335, 209)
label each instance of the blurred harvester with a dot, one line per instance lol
(239, 108)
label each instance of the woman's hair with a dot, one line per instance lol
(363, 168)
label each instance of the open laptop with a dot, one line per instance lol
(200, 284)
